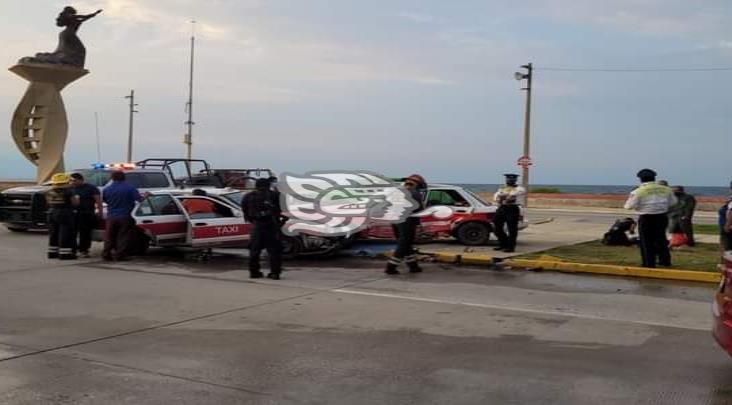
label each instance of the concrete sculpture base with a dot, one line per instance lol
(39, 126)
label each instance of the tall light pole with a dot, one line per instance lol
(525, 160)
(188, 138)
(132, 115)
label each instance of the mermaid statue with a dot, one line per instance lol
(70, 50)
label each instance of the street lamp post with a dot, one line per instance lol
(525, 160)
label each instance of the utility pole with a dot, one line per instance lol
(188, 137)
(132, 114)
(96, 132)
(525, 160)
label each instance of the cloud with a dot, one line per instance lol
(416, 17)
(653, 17)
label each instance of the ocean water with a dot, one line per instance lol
(602, 189)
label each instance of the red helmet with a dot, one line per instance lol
(417, 179)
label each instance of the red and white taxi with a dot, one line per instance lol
(471, 222)
(164, 219)
(722, 306)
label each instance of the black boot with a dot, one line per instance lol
(391, 268)
(274, 276)
(255, 274)
(414, 267)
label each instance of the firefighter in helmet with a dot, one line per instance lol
(61, 203)
(406, 232)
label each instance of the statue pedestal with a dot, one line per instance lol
(39, 124)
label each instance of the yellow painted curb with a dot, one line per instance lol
(477, 259)
(445, 257)
(568, 267)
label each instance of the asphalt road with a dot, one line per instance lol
(166, 329)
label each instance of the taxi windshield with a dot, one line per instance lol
(234, 197)
(97, 178)
(477, 197)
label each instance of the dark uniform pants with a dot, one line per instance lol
(405, 234)
(508, 216)
(725, 240)
(653, 242)
(85, 224)
(687, 227)
(118, 240)
(265, 236)
(61, 233)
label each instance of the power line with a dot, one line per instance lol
(622, 70)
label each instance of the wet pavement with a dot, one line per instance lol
(167, 329)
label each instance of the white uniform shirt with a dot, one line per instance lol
(504, 192)
(651, 198)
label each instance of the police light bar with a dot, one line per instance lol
(121, 166)
(98, 165)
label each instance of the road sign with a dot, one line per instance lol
(524, 161)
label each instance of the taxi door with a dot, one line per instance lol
(222, 226)
(162, 219)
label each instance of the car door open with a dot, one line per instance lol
(162, 219)
(211, 223)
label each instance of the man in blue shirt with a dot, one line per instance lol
(120, 198)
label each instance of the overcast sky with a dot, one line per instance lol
(396, 86)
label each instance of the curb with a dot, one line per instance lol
(628, 271)
(570, 267)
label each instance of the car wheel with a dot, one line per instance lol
(291, 246)
(473, 233)
(16, 229)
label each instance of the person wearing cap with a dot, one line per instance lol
(90, 200)
(261, 208)
(725, 222)
(61, 202)
(406, 232)
(508, 198)
(652, 201)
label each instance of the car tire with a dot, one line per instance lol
(473, 234)
(16, 229)
(291, 247)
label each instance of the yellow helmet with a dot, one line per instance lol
(60, 179)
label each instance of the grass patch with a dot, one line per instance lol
(545, 190)
(702, 257)
(706, 229)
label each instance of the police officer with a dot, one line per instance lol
(509, 198)
(652, 201)
(406, 232)
(261, 208)
(61, 202)
(90, 200)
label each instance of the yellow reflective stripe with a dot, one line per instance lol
(648, 190)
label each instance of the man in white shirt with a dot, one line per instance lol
(508, 198)
(652, 201)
